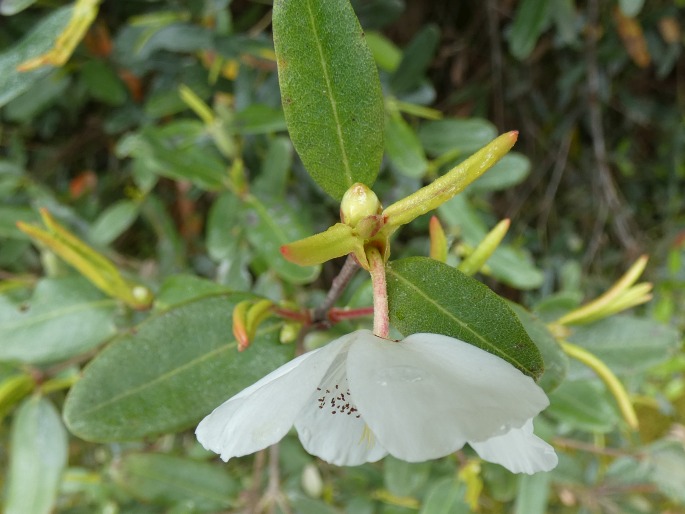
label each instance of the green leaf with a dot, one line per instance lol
(404, 148)
(330, 90)
(65, 317)
(533, 494)
(11, 7)
(631, 8)
(35, 43)
(452, 135)
(38, 450)
(416, 58)
(583, 405)
(38, 97)
(103, 83)
(273, 177)
(223, 226)
(405, 478)
(384, 51)
(425, 295)
(271, 225)
(168, 372)
(512, 169)
(180, 150)
(167, 480)
(626, 344)
(179, 289)
(529, 21)
(556, 361)
(447, 495)
(113, 221)
(257, 119)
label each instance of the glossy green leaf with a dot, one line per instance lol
(425, 295)
(271, 225)
(626, 344)
(65, 317)
(456, 135)
(416, 58)
(556, 361)
(529, 21)
(35, 43)
(330, 91)
(447, 495)
(167, 480)
(113, 221)
(584, 405)
(38, 450)
(533, 494)
(404, 148)
(168, 372)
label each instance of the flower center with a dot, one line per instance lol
(336, 400)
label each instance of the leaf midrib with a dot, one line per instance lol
(329, 90)
(170, 373)
(440, 308)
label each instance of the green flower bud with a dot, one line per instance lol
(357, 203)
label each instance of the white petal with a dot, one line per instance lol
(427, 395)
(262, 414)
(330, 426)
(519, 450)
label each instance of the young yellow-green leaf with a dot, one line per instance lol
(169, 480)
(425, 295)
(330, 90)
(38, 450)
(168, 372)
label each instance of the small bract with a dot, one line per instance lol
(361, 397)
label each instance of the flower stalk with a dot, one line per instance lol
(381, 316)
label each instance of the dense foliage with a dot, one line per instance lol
(149, 179)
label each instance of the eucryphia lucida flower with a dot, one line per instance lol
(362, 397)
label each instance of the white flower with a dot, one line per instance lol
(361, 397)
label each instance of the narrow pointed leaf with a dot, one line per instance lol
(330, 90)
(38, 457)
(169, 372)
(425, 295)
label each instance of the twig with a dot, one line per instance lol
(553, 184)
(337, 287)
(319, 316)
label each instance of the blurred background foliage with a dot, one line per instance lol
(161, 144)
